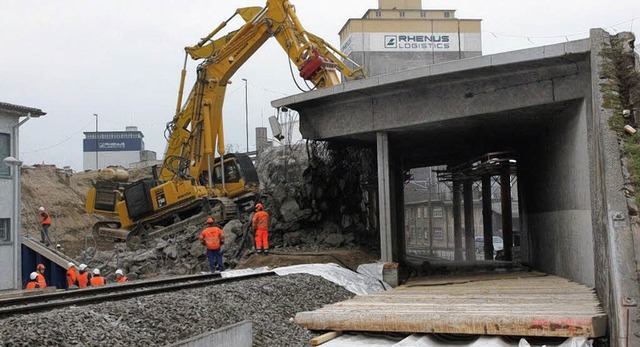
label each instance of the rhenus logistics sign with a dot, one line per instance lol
(412, 42)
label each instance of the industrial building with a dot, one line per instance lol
(400, 35)
(10, 276)
(115, 148)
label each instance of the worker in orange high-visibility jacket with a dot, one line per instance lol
(97, 280)
(84, 277)
(213, 237)
(45, 223)
(33, 284)
(260, 225)
(120, 277)
(72, 275)
(40, 272)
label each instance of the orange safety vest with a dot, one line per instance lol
(83, 280)
(97, 281)
(45, 219)
(122, 279)
(261, 220)
(212, 237)
(72, 276)
(32, 285)
(41, 281)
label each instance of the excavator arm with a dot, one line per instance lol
(197, 132)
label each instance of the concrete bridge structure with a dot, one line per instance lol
(544, 104)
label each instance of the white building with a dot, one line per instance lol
(119, 148)
(10, 255)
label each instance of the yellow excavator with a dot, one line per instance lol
(193, 181)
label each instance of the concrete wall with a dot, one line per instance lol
(8, 274)
(236, 335)
(380, 63)
(554, 175)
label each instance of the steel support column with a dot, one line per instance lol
(457, 222)
(487, 220)
(507, 221)
(469, 232)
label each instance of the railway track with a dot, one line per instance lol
(112, 292)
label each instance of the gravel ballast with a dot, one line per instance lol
(270, 303)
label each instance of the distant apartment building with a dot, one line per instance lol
(115, 148)
(401, 35)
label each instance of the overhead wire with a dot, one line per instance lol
(59, 143)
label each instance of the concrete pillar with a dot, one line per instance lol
(507, 221)
(384, 197)
(457, 222)
(469, 230)
(487, 220)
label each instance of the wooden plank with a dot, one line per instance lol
(317, 341)
(533, 306)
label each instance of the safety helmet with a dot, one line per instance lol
(70, 265)
(96, 271)
(119, 272)
(209, 220)
(41, 209)
(33, 275)
(259, 207)
(82, 267)
(40, 266)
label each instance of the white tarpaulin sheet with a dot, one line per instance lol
(420, 340)
(354, 282)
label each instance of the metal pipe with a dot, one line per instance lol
(17, 208)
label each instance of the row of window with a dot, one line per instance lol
(114, 136)
(418, 234)
(423, 211)
(423, 14)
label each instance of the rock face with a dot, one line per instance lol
(322, 199)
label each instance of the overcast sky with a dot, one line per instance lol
(122, 59)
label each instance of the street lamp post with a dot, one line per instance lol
(246, 111)
(96, 115)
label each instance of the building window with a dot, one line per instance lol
(437, 212)
(5, 231)
(426, 212)
(419, 212)
(438, 234)
(423, 14)
(402, 14)
(378, 14)
(5, 151)
(447, 14)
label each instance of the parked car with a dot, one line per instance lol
(498, 245)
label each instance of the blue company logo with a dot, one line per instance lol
(390, 41)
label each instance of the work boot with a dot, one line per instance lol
(266, 251)
(259, 250)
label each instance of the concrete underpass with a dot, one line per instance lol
(545, 106)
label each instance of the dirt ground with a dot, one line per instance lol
(349, 258)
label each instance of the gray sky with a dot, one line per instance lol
(122, 59)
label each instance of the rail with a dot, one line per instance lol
(114, 291)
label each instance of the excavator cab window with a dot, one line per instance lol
(232, 175)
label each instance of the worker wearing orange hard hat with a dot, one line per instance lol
(260, 225)
(41, 280)
(213, 238)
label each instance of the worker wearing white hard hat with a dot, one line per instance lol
(45, 223)
(120, 277)
(97, 280)
(33, 284)
(72, 275)
(84, 277)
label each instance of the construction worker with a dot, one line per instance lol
(45, 223)
(261, 228)
(212, 237)
(120, 277)
(33, 284)
(84, 277)
(40, 273)
(97, 280)
(72, 275)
